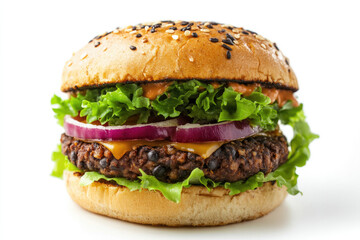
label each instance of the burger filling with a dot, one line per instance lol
(170, 135)
(233, 161)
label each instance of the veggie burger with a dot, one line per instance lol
(177, 123)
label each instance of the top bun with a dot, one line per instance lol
(179, 50)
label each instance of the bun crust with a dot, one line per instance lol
(197, 207)
(167, 54)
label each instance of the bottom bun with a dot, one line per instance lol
(197, 207)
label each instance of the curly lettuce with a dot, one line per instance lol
(197, 100)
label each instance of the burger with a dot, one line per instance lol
(177, 123)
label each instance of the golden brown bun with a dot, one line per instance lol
(197, 207)
(174, 54)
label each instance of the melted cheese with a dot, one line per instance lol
(119, 148)
(204, 149)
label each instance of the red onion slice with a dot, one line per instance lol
(166, 130)
(154, 131)
(225, 131)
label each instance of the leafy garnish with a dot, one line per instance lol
(198, 100)
(61, 163)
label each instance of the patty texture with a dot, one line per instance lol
(233, 161)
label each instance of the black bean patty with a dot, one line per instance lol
(233, 161)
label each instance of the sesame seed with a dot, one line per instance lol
(191, 59)
(69, 64)
(228, 41)
(96, 44)
(214, 23)
(263, 46)
(175, 37)
(187, 33)
(116, 31)
(173, 28)
(222, 31)
(277, 48)
(287, 61)
(188, 27)
(214, 40)
(132, 32)
(270, 44)
(205, 30)
(134, 28)
(169, 31)
(146, 28)
(259, 37)
(132, 47)
(209, 26)
(228, 54)
(138, 35)
(237, 36)
(152, 30)
(183, 23)
(251, 32)
(143, 53)
(235, 30)
(168, 25)
(157, 25)
(105, 48)
(228, 35)
(226, 47)
(144, 40)
(236, 42)
(83, 56)
(194, 34)
(128, 30)
(246, 33)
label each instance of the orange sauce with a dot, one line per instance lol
(152, 90)
(281, 96)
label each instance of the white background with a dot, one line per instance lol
(322, 40)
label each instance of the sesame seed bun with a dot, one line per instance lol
(178, 51)
(197, 207)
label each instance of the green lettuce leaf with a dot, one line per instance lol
(61, 163)
(90, 177)
(198, 100)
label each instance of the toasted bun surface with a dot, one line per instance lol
(197, 207)
(140, 54)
